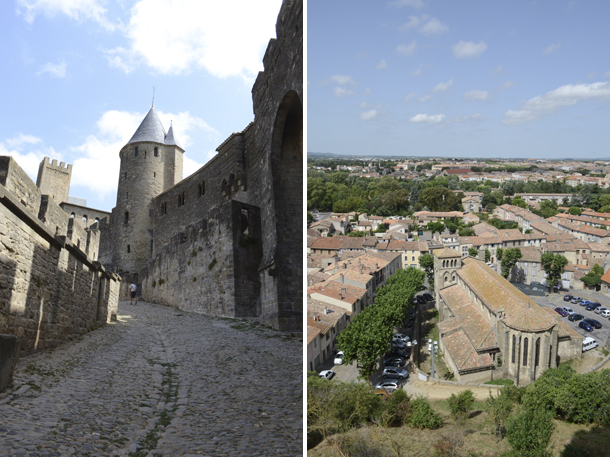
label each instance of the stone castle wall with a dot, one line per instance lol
(50, 289)
(54, 179)
(83, 215)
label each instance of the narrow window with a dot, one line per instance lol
(151, 246)
(525, 352)
(128, 249)
(164, 208)
(202, 188)
(514, 348)
(125, 175)
(126, 217)
(144, 154)
(537, 352)
(85, 219)
(156, 152)
(154, 174)
(72, 215)
(136, 152)
(181, 199)
(245, 222)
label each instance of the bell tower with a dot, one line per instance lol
(446, 263)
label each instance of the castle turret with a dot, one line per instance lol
(54, 180)
(151, 162)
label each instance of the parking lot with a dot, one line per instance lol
(556, 300)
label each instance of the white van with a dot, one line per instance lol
(589, 343)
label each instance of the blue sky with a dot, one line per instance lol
(78, 75)
(459, 78)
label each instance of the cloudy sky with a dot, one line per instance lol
(459, 78)
(78, 79)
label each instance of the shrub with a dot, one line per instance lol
(461, 404)
(396, 410)
(423, 415)
(529, 432)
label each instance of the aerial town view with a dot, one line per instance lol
(458, 230)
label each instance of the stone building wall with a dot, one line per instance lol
(83, 215)
(50, 289)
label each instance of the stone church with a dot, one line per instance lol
(227, 240)
(489, 329)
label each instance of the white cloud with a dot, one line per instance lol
(56, 70)
(419, 70)
(425, 25)
(410, 96)
(406, 50)
(425, 98)
(382, 65)
(368, 115)
(443, 87)
(476, 95)
(367, 91)
(342, 79)
(78, 10)
(552, 101)
(432, 119)
(417, 4)
(468, 49)
(342, 92)
(497, 71)
(28, 151)
(173, 37)
(506, 85)
(607, 74)
(550, 49)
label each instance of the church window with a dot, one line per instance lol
(136, 152)
(202, 188)
(72, 215)
(164, 208)
(181, 199)
(537, 352)
(97, 219)
(128, 248)
(525, 352)
(126, 217)
(514, 348)
(85, 219)
(156, 152)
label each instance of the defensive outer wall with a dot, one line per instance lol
(51, 286)
(228, 240)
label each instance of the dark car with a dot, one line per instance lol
(561, 311)
(585, 325)
(593, 323)
(592, 306)
(393, 355)
(395, 362)
(576, 317)
(428, 295)
(567, 298)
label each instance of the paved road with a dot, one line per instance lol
(159, 382)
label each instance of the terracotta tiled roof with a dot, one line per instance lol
(352, 242)
(463, 353)
(317, 277)
(312, 332)
(521, 312)
(352, 273)
(333, 242)
(468, 317)
(606, 277)
(599, 247)
(530, 254)
(446, 253)
(321, 326)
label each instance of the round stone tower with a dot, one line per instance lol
(151, 162)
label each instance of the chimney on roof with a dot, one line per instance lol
(345, 266)
(342, 279)
(360, 269)
(340, 296)
(376, 266)
(325, 311)
(311, 282)
(344, 290)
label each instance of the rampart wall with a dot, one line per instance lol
(50, 289)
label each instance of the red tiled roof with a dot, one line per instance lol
(463, 353)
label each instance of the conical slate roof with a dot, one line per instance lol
(169, 138)
(150, 129)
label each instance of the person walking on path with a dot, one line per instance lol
(133, 288)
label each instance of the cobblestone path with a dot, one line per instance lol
(159, 382)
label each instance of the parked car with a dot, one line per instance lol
(567, 297)
(393, 354)
(575, 300)
(399, 343)
(589, 343)
(393, 372)
(599, 309)
(561, 311)
(585, 302)
(605, 313)
(568, 310)
(592, 306)
(327, 374)
(395, 362)
(405, 338)
(339, 358)
(593, 323)
(575, 317)
(428, 295)
(388, 385)
(585, 325)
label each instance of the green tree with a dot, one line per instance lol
(310, 218)
(575, 211)
(466, 231)
(439, 199)
(499, 408)
(510, 257)
(473, 252)
(529, 432)
(436, 227)
(487, 255)
(519, 202)
(499, 253)
(451, 227)
(426, 262)
(554, 266)
(423, 415)
(585, 398)
(542, 395)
